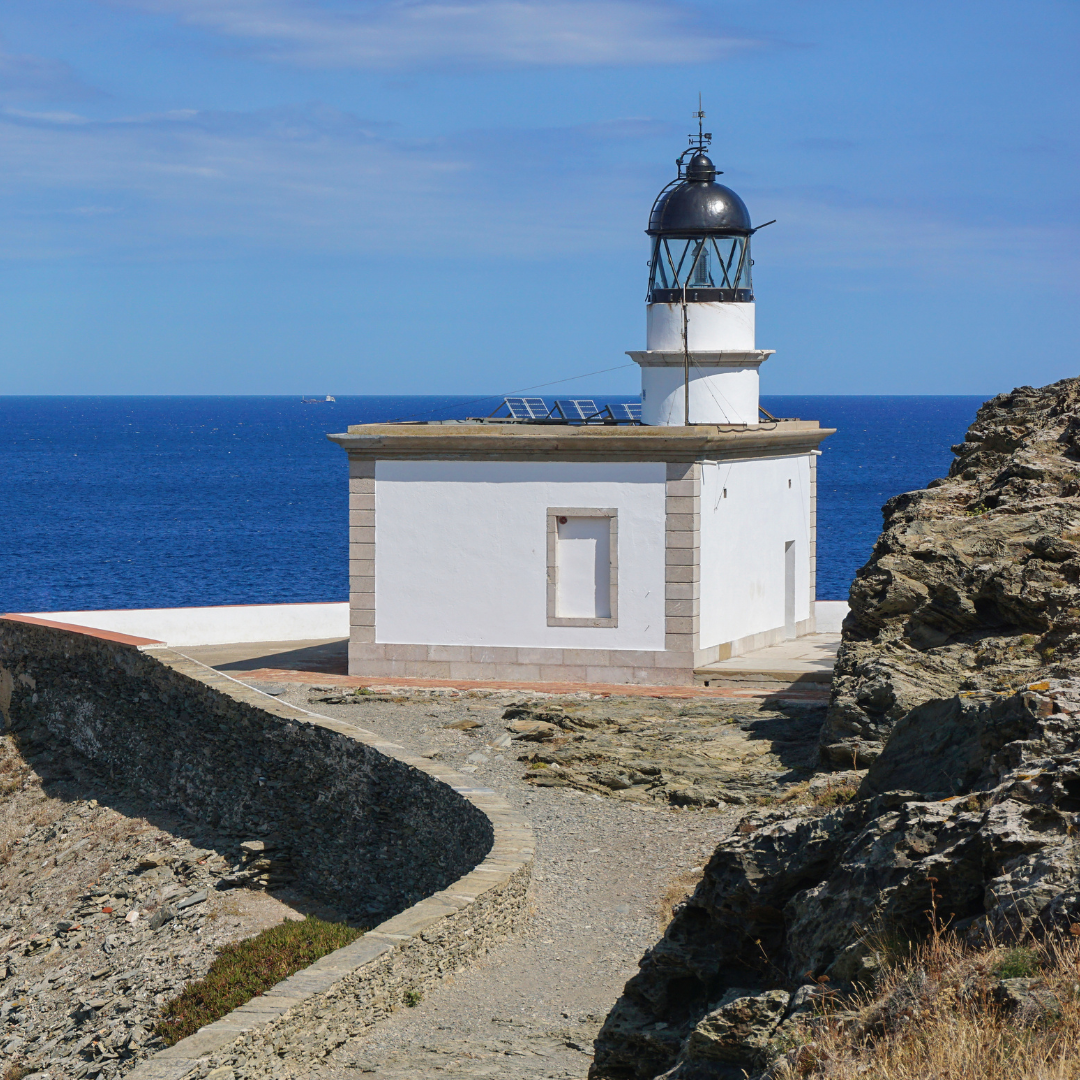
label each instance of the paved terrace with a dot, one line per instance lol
(800, 669)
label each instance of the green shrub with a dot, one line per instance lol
(413, 998)
(248, 968)
(1018, 963)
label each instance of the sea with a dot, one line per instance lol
(131, 502)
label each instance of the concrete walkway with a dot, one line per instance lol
(798, 668)
(805, 660)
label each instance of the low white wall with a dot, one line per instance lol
(216, 625)
(830, 615)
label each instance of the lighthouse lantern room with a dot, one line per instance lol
(571, 542)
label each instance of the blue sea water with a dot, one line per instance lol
(127, 502)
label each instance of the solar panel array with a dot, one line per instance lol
(576, 409)
(568, 410)
(527, 408)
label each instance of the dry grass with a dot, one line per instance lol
(801, 794)
(13, 773)
(676, 893)
(938, 1013)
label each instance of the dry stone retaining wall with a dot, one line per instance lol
(365, 826)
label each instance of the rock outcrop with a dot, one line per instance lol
(968, 817)
(974, 584)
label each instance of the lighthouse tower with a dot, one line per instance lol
(700, 365)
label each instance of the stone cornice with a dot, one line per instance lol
(698, 358)
(529, 442)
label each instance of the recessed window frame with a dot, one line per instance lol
(553, 515)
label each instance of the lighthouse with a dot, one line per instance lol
(700, 364)
(599, 543)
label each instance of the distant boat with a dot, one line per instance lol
(316, 400)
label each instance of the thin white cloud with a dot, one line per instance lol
(388, 34)
(832, 237)
(25, 78)
(314, 179)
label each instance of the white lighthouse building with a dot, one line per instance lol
(566, 542)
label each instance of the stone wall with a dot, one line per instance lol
(367, 827)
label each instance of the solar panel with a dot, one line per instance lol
(526, 408)
(627, 410)
(576, 409)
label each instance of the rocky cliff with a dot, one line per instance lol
(974, 583)
(969, 816)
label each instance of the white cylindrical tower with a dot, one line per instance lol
(700, 365)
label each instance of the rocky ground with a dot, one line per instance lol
(974, 583)
(967, 820)
(613, 859)
(105, 913)
(678, 752)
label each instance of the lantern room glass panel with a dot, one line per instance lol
(708, 268)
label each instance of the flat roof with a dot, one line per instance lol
(584, 442)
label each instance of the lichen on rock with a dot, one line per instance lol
(974, 583)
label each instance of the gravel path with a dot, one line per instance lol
(532, 1007)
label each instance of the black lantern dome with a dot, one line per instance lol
(697, 205)
(701, 236)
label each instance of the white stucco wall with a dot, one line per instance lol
(461, 551)
(216, 625)
(742, 545)
(718, 395)
(830, 615)
(710, 327)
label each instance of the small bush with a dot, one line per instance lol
(413, 998)
(17, 1072)
(835, 796)
(246, 969)
(1018, 963)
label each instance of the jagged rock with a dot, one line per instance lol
(1027, 1000)
(973, 584)
(738, 1032)
(694, 754)
(968, 815)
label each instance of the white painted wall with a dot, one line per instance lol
(713, 327)
(718, 395)
(216, 625)
(742, 545)
(830, 615)
(461, 551)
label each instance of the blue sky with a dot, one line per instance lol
(360, 196)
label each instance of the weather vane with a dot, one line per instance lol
(703, 137)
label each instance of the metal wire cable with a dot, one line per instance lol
(523, 390)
